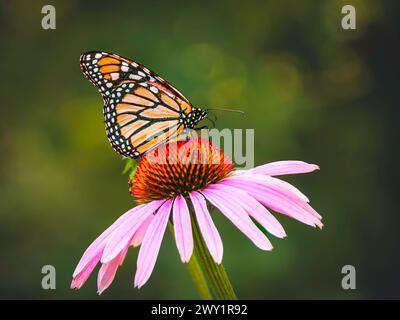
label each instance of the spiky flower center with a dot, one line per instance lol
(178, 168)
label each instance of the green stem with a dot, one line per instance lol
(197, 273)
(215, 273)
(210, 278)
(199, 278)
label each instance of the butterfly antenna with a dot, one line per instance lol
(229, 110)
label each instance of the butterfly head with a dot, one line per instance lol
(194, 117)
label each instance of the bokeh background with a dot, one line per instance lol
(312, 91)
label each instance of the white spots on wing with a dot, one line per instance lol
(134, 77)
(109, 85)
(124, 68)
(141, 73)
(154, 89)
(97, 55)
(114, 76)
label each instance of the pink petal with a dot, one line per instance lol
(80, 278)
(207, 227)
(98, 245)
(279, 202)
(151, 244)
(139, 234)
(285, 167)
(122, 235)
(266, 183)
(271, 182)
(238, 217)
(183, 228)
(252, 207)
(108, 270)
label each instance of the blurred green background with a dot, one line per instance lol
(312, 91)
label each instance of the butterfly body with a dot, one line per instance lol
(141, 110)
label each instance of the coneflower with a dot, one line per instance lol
(180, 186)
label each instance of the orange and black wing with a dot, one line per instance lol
(140, 116)
(107, 71)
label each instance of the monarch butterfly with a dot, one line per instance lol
(141, 110)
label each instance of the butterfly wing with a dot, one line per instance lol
(107, 71)
(140, 116)
(141, 109)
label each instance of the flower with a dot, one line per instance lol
(195, 174)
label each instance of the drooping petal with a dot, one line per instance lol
(183, 228)
(266, 183)
(98, 245)
(122, 235)
(280, 203)
(80, 278)
(252, 207)
(238, 216)
(151, 244)
(207, 227)
(285, 167)
(272, 182)
(108, 270)
(139, 234)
